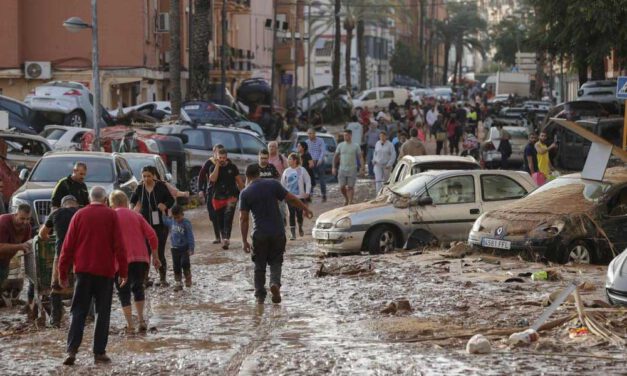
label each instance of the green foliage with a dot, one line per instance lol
(507, 37)
(585, 31)
(406, 61)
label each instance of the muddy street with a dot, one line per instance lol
(339, 323)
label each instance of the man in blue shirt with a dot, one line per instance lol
(317, 149)
(261, 197)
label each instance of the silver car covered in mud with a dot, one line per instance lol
(616, 282)
(431, 207)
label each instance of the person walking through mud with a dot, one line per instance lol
(383, 160)
(345, 166)
(307, 162)
(317, 149)
(413, 146)
(262, 197)
(136, 232)
(227, 183)
(182, 239)
(277, 159)
(267, 170)
(205, 191)
(297, 182)
(153, 199)
(92, 244)
(74, 185)
(15, 234)
(59, 221)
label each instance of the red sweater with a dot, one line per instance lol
(92, 243)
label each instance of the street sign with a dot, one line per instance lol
(621, 87)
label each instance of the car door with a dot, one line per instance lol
(497, 190)
(230, 142)
(455, 208)
(370, 99)
(386, 97)
(75, 142)
(197, 148)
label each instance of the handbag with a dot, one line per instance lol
(440, 136)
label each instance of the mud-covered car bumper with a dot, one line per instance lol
(617, 296)
(333, 241)
(546, 246)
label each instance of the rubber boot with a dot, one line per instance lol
(188, 277)
(162, 280)
(293, 233)
(178, 286)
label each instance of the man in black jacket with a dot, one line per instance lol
(73, 185)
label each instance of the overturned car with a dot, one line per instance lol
(570, 219)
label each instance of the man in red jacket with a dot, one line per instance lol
(92, 244)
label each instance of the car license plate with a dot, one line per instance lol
(496, 243)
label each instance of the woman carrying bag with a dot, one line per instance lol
(153, 199)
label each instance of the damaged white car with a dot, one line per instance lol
(431, 207)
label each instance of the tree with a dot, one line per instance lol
(199, 60)
(337, 40)
(175, 57)
(508, 37)
(584, 31)
(406, 61)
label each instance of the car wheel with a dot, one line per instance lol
(76, 119)
(381, 240)
(193, 182)
(578, 252)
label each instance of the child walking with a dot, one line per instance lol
(296, 181)
(182, 239)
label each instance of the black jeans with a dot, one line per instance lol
(212, 216)
(180, 261)
(296, 214)
(162, 236)
(267, 250)
(453, 145)
(225, 219)
(438, 147)
(86, 288)
(136, 274)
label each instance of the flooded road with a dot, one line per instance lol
(328, 325)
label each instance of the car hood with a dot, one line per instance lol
(335, 215)
(535, 211)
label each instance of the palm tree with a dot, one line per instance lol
(335, 68)
(199, 60)
(175, 56)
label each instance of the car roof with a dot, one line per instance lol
(209, 127)
(438, 158)
(79, 154)
(23, 135)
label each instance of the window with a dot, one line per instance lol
(496, 188)
(12, 107)
(53, 134)
(371, 96)
(387, 94)
(196, 138)
(226, 139)
(77, 137)
(454, 190)
(399, 175)
(251, 145)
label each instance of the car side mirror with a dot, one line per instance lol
(425, 201)
(24, 174)
(125, 175)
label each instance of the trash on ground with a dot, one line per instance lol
(524, 338)
(478, 344)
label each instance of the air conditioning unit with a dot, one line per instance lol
(37, 70)
(163, 22)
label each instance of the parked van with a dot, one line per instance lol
(380, 97)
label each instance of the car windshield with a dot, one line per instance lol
(137, 164)
(54, 169)
(592, 190)
(412, 185)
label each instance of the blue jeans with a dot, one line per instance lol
(319, 171)
(369, 156)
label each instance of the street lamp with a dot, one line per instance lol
(74, 25)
